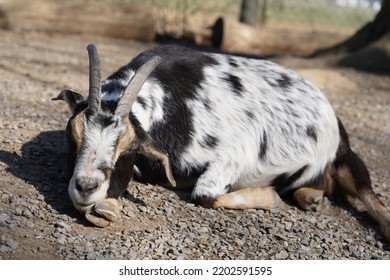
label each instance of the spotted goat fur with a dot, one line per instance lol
(240, 132)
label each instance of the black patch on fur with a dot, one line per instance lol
(249, 114)
(153, 172)
(72, 149)
(102, 119)
(180, 74)
(235, 83)
(121, 174)
(174, 133)
(204, 201)
(284, 81)
(284, 180)
(263, 147)
(311, 132)
(233, 63)
(209, 141)
(141, 101)
(114, 83)
(346, 158)
(271, 82)
(359, 172)
(206, 104)
(344, 147)
(138, 129)
(181, 68)
(108, 108)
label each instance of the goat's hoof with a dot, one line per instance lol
(109, 209)
(96, 220)
(103, 212)
(308, 199)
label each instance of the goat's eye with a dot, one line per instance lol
(104, 167)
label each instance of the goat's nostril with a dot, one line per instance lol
(93, 185)
(84, 185)
(78, 186)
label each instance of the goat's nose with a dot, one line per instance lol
(86, 184)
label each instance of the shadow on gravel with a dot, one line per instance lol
(42, 164)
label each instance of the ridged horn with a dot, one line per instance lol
(94, 96)
(135, 85)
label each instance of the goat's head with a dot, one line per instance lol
(102, 140)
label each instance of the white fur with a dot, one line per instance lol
(99, 145)
(235, 159)
(152, 93)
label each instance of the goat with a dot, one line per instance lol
(240, 132)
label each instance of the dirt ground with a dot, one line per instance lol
(36, 66)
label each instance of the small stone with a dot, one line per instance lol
(282, 255)
(18, 211)
(12, 244)
(61, 224)
(320, 225)
(3, 218)
(5, 249)
(41, 249)
(27, 214)
(30, 224)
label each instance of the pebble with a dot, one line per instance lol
(282, 255)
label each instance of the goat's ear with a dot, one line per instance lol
(71, 97)
(149, 150)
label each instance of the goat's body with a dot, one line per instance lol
(239, 131)
(230, 121)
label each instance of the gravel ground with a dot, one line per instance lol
(37, 220)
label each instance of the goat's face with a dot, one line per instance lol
(102, 141)
(101, 153)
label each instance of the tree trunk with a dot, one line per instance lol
(369, 33)
(248, 12)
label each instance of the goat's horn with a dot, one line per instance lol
(135, 85)
(94, 79)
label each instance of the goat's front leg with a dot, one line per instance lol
(109, 209)
(250, 198)
(308, 198)
(103, 212)
(212, 190)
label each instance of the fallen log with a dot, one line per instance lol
(233, 36)
(90, 17)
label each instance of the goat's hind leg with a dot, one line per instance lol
(353, 179)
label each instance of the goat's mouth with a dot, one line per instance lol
(83, 207)
(83, 201)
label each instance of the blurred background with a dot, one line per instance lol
(263, 27)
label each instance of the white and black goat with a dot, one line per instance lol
(239, 131)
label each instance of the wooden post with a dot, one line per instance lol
(248, 13)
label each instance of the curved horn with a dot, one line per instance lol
(94, 80)
(135, 85)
